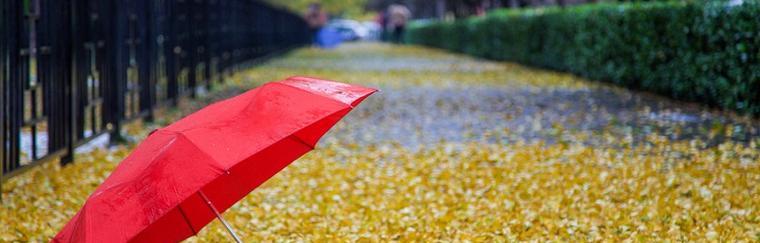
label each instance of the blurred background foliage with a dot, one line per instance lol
(336, 8)
(705, 51)
(367, 9)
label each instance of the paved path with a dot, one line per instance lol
(430, 96)
(458, 149)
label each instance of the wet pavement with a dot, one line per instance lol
(427, 97)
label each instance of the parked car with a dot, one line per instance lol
(349, 30)
(374, 30)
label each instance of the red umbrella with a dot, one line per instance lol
(180, 178)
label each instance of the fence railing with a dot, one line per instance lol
(72, 70)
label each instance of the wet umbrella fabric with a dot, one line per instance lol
(221, 152)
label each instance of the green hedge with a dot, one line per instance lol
(706, 52)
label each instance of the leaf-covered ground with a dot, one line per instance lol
(458, 149)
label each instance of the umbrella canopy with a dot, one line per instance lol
(220, 153)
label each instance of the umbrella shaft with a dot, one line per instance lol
(219, 216)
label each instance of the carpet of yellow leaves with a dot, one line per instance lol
(625, 179)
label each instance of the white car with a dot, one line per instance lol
(374, 30)
(349, 30)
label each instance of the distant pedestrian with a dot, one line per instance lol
(398, 16)
(316, 18)
(382, 20)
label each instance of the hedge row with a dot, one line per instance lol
(706, 52)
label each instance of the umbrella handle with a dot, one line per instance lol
(219, 216)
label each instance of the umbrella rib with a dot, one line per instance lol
(314, 93)
(123, 183)
(179, 206)
(295, 137)
(219, 165)
(258, 91)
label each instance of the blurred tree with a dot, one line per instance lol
(363, 9)
(439, 8)
(464, 8)
(335, 8)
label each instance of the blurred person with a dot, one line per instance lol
(398, 15)
(382, 20)
(316, 18)
(480, 10)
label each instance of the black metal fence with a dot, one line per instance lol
(74, 69)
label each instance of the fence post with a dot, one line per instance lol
(13, 89)
(169, 53)
(4, 20)
(113, 78)
(64, 54)
(191, 48)
(148, 86)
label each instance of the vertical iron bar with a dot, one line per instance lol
(172, 52)
(66, 51)
(117, 74)
(147, 42)
(4, 22)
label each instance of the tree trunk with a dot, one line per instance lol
(514, 4)
(440, 9)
